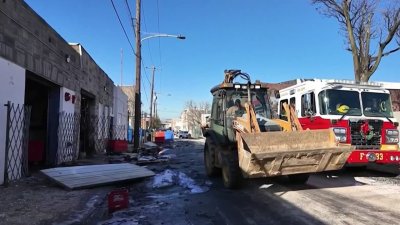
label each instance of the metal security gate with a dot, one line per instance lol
(119, 132)
(17, 136)
(68, 137)
(100, 132)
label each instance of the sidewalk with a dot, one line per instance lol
(37, 200)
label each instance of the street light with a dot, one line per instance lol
(163, 35)
(138, 72)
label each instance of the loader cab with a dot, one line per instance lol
(225, 99)
(225, 107)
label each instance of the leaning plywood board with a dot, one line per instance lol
(95, 175)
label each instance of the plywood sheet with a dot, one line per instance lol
(77, 177)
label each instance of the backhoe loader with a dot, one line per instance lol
(244, 141)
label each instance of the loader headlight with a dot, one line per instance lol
(340, 133)
(392, 132)
(339, 130)
(392, 140)
(392, 136)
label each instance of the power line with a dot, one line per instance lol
(127, 38)
(123, 28)
(131, 17)
(147, 78)
(133, 27)
(159, 41)
(145, 27)
(145, 92)
(145, 73)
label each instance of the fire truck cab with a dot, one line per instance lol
(360, 114)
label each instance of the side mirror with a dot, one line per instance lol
(277, 95)
(208, 121)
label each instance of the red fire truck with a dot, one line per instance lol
(360, 114)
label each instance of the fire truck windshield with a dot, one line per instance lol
(376, 104)
(339, 102)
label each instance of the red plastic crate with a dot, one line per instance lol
(118, 199)
(118, 145)
(159, 137)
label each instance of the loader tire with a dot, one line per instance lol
(231, 174)
(209, 160)
(298, 178)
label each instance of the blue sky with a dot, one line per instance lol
(271, 40)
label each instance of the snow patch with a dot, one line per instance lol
(164, 179)
(165, 151)
(120, 221)
(169, 178)
(265, 186)
(169, 156)
(147, 158)
(189, 183)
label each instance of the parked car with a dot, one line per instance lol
(183, 134)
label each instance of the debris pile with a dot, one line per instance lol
(148, 153)
(152, 153)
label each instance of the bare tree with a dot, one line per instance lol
(193, 113)
(156, 122)
(366, 23)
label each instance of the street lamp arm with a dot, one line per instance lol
(163, 35)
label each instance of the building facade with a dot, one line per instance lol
(65, 99)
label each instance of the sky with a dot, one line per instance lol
(273, 41)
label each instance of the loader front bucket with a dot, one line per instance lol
(283, 153)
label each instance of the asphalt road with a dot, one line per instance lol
(343, 197)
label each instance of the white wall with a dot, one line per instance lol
(67, 106)
(12, 88)
(120, 112)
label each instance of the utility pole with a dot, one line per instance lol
(155, 106)
(137, 85)
(151, 97)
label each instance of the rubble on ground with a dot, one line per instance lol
(148, 153)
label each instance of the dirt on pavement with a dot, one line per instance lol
(38, 200)
(188, 196)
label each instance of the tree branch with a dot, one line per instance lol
(392, 30)
(358, 19)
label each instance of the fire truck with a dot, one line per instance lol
(360, 114)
